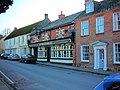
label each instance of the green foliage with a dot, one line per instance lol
(4, 5)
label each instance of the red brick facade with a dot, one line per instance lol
(109, 35)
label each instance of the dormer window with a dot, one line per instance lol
(89, 6)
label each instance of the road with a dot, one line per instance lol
(40, 77)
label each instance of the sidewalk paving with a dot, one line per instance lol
(82, 69)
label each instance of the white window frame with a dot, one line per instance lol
(81, 49)
(89, 7)
(116, 26)
(42, 52)
(100, 25)
(114, 53)
(61, 51)
(84, 27)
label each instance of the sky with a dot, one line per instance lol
(26, 12)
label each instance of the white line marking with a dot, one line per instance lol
(7, 77)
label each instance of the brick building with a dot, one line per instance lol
(98, 35)
(53, 42)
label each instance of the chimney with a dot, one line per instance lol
(61, 15)
(15, 28)
(46, 16)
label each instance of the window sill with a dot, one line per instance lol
(86, 61)
(84, 35)
(116, 30)
(116, 63)
(99, 33)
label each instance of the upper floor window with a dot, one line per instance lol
(117, 53)
(89, 7)
(84, 28)
(22, 39)
(116, 21)
(100, 25)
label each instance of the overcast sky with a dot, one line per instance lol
(25, 12)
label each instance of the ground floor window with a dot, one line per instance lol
(116, 53)
(61, 51)
(85, 55)
(42, 52)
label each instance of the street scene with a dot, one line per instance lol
(59, 45)
(40, 77)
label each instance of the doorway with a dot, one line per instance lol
(100, 60)
(36, 52)
(48, 54)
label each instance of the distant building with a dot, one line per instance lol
(17, 40)
(1, 43)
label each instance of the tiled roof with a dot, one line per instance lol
(41, 25)
(102, 6)
(61, 22)
(22, 31)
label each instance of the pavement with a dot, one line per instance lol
(5, 86)
(81, 69)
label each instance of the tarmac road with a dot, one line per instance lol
(40, 77)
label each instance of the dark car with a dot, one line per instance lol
(111, 82)
(4, 56)
(13, 57)
(27, 58)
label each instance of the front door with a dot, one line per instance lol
(36, 52)
(48, 54)
(101, 58)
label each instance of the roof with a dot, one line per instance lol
(102, 6)
(41, 25)
(22, 31)
(61, 22)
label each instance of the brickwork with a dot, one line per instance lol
(109, 36)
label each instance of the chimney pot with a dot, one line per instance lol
(61, 15)
(46, 16)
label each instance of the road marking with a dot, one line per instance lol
(7, 77)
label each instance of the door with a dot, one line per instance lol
(101, 58)
(36, 52)
(48, 54)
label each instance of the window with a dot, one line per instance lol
(116, 21)
(84, 28)
(100, 25)
(89, 7)
(22, 39)
(14, 41)
(85, 57)
(117, 53)
(42, 52)
(61, 51)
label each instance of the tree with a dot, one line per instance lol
(4, 5)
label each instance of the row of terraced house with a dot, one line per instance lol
(89, 38)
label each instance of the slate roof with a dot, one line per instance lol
(102, 6)
(22, 31)
(62, 22)
(41, 25)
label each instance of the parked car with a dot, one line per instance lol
(4, 56)
(110, 83)
(27, 58)
(13, 57)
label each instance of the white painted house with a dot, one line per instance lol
(17, 41)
